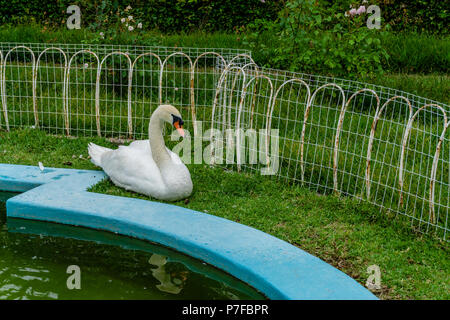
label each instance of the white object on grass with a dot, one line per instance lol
(147, 166)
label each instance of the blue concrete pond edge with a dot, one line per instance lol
(272, 266)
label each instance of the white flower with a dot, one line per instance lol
(128, 8)
(130, 18)
(139, 25)
(102, 35)
(122, 20)
(130, 28)
(86, 65)
(364, 1)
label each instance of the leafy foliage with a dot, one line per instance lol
(164, 15)
(111, 21)
(313, 40)
(225, 15)
(430, 16)
(417, 15)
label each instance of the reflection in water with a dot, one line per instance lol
(170, 282)
(34, 257)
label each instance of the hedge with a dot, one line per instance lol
(430, 16)
(164, 15)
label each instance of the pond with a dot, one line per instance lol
(35, 258)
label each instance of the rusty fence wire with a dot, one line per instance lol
(377, 144)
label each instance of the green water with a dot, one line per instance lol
(34, 257)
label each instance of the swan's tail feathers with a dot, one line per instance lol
(96, 152)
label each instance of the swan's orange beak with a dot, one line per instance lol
(179, 128)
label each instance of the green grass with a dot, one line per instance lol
(348, 234)
(431, 86)
(40, 34)
(417, 53)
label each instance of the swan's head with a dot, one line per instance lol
(170, 114)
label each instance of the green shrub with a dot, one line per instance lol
(431, 16)
(164, 15)
(417, 15)
(311, 39)
(224, 15)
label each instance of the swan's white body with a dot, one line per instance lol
(147, 166)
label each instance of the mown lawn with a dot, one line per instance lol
(432, 86)
(346, 233)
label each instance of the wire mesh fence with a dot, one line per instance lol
(380, 145)
(103, 89)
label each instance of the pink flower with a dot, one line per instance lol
(352, 12)
(361, 10)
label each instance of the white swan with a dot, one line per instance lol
(148, 168)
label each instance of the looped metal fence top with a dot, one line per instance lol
(377, 144)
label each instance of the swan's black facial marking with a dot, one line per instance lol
(178, 124)
(177, 119)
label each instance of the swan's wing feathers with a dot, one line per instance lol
(130, 167)
(175, 158)
(140, 144)
(96, 153)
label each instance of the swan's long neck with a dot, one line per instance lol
(157, 145)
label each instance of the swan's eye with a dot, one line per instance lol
(177, 119)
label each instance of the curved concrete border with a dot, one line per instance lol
(274, 267)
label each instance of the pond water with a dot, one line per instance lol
(35, 257)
